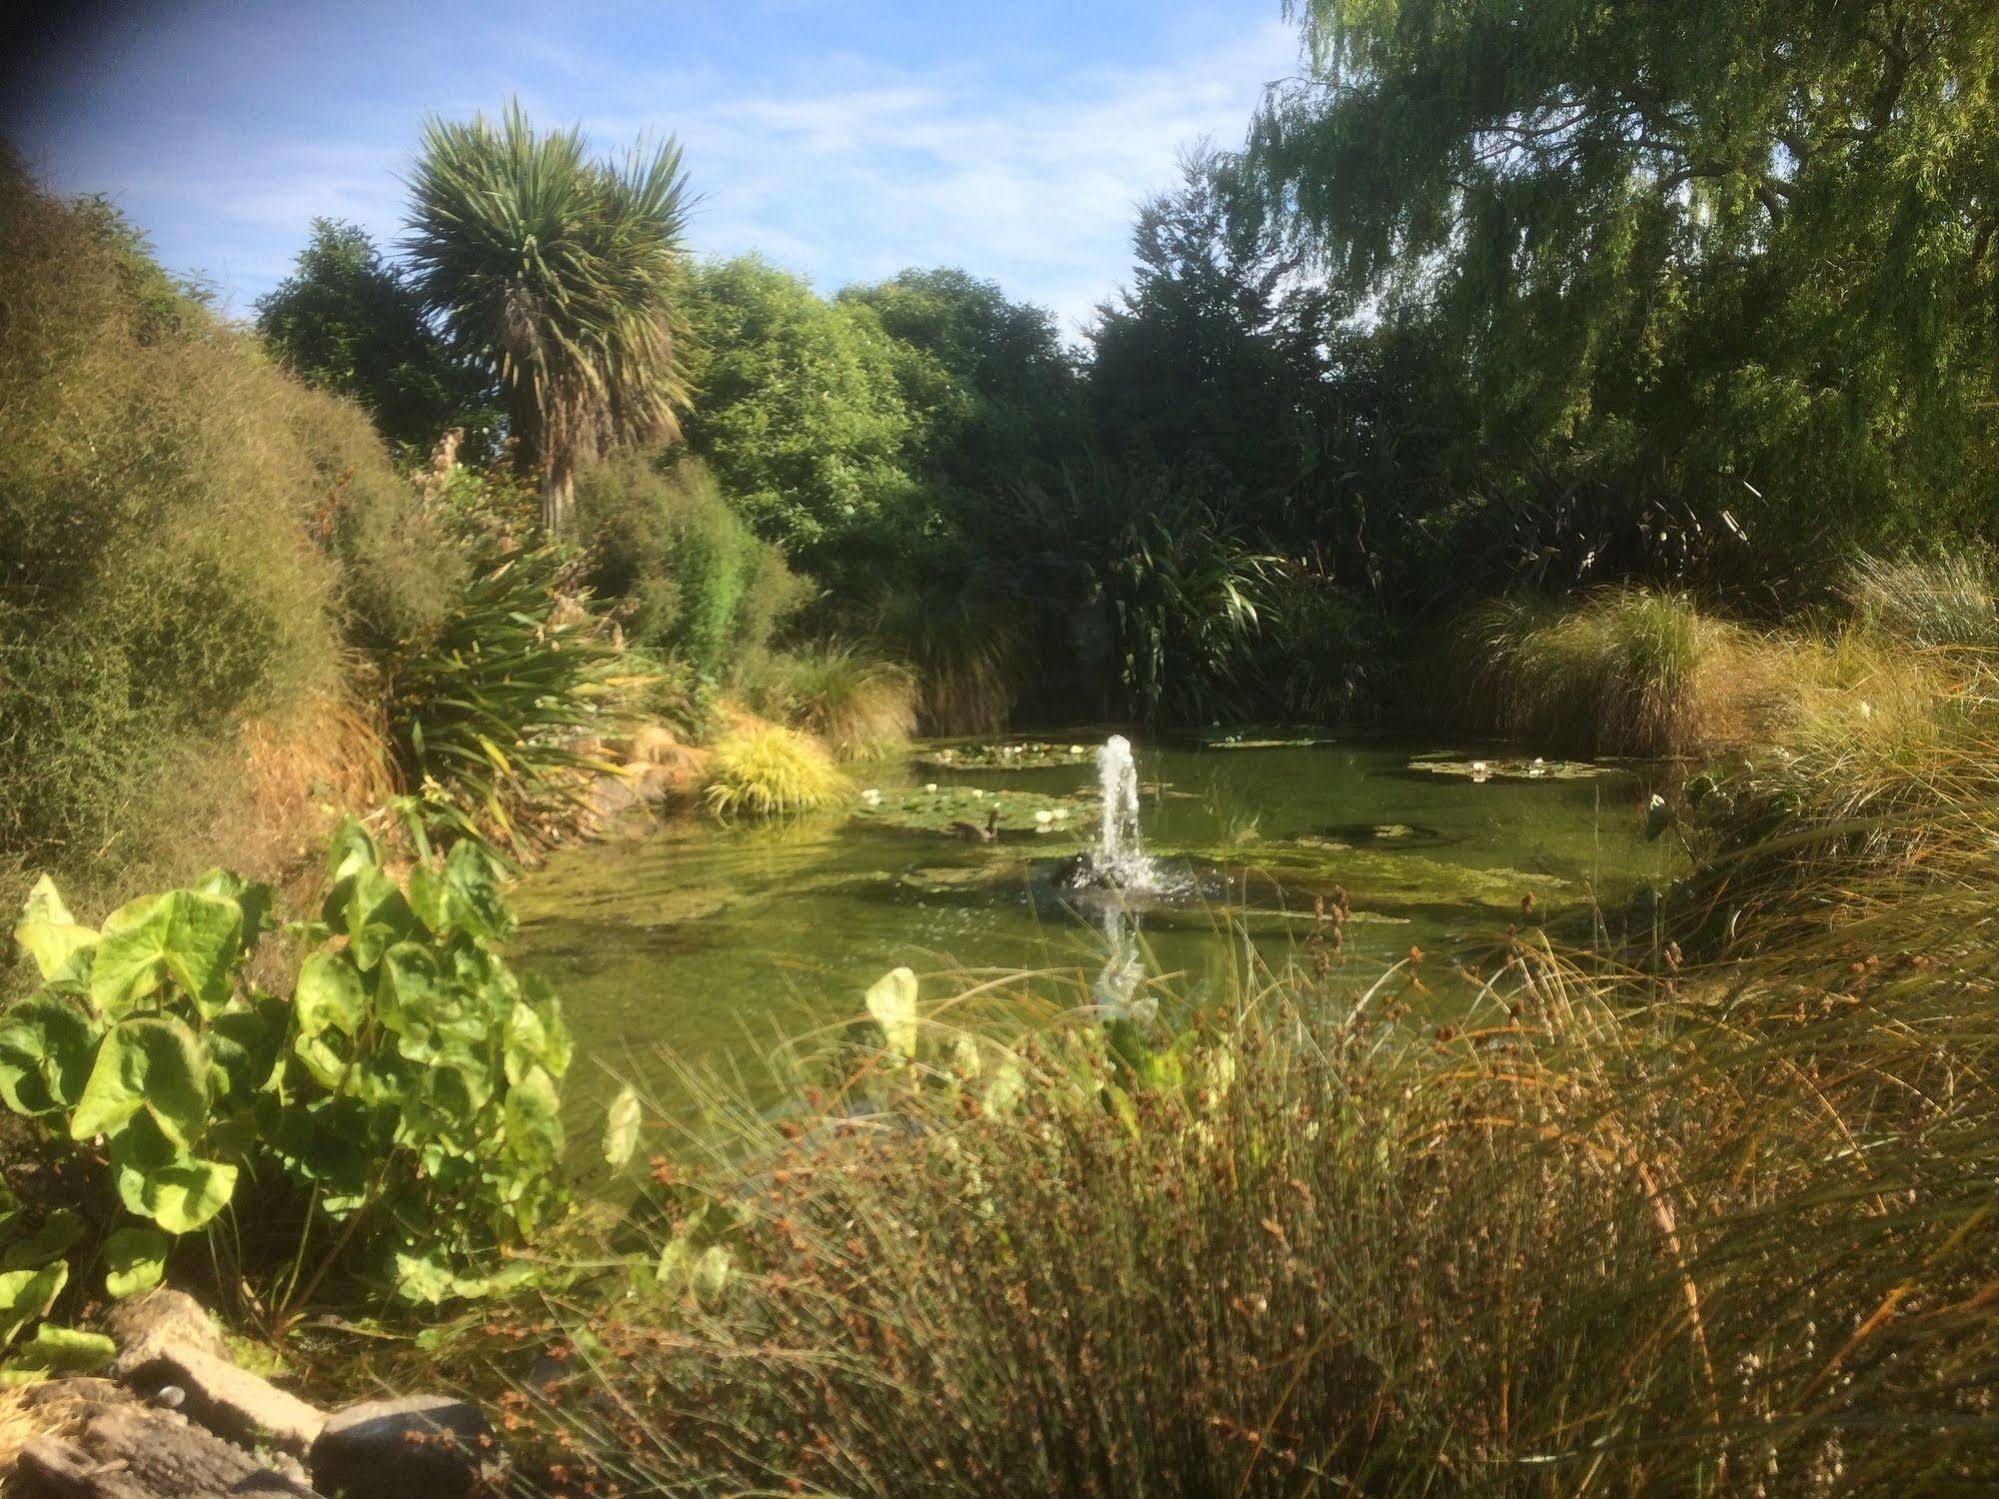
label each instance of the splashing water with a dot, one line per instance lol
(1120, 860)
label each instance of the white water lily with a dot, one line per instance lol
(931, 787)
(1043, 817)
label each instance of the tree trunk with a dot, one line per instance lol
(558, 500)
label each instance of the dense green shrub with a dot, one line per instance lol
(395, 1117)
(802, 412)
(485, 717)
(349, 321)
(186, 538)
(692, 579)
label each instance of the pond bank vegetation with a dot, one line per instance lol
(320, 628)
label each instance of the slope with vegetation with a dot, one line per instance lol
(1633, 393)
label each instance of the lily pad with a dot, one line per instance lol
(1029, 754)
(1537, 769)
(938, 809)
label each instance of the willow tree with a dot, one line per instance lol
(1736, 251)
(561, 272)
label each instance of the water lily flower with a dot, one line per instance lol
(1043, 817)
(931, 787)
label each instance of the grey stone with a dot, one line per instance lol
(415, 1447)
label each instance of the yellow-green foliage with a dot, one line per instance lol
(1944, 602)
(862, 706)
(187, 539)
(764, 770)
(1624, 671)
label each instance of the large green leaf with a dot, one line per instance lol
(46, 1048)
(534, 1119)
(65, 1350)
(370, 909)
(50, 935)
(192, 938)
(26, 1295)
(257, 902)
(135, 1260)
(243, 1047)
(408, 989)
(536, 1037)
(330, 996)
(151, 1064)
(183, 1197)
(621, 1127)
(59, 1234)
(892, 1002)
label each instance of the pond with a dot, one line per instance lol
(714, 944)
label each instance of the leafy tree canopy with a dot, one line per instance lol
(805, 412)
(350, 321)
(1214, 356)
(1738, 251)
(1009, 407)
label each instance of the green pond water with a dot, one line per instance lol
(710, 945)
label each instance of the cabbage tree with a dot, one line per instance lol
(561, 272)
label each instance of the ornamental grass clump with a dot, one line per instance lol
(861, 706)
(1624, 671)
(765, 770)
(1945, 603)
(1693, 1233)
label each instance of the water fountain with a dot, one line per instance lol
(1118, 860)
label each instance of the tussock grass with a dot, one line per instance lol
(965, 650)
(1595, 1233)
(18, 1427)
(860, 705)
(1942, 602)
(1624, 671)
(766, 770)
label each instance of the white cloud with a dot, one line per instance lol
(845, 168)
(1035, 187)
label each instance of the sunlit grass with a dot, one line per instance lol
(1623, 671)
(769, 771)
(860, 705)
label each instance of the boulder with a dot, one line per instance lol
(650, 744)
(415, 1447)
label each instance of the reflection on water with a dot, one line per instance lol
(718, 944)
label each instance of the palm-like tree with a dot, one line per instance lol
(560, 271)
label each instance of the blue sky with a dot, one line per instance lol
(843, 140)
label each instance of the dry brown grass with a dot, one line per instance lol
(20, 1424)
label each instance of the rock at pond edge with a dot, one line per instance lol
(414, 1447)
